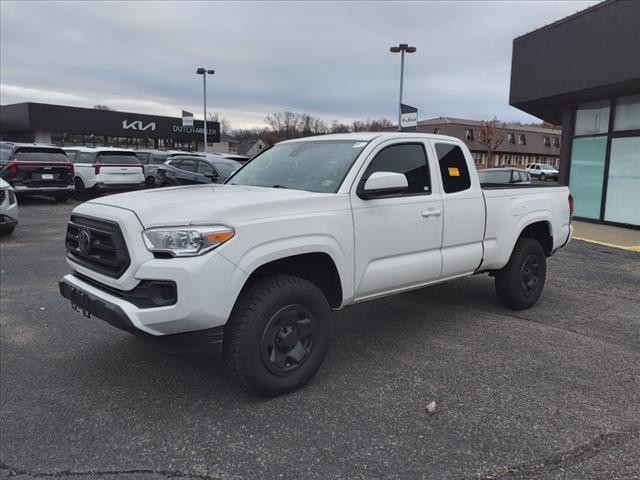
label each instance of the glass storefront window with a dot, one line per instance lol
(586, 175)
(627, 115)
(623, 187)
(593, 118)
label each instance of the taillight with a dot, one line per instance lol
(97, 168)
(570, 207)
(13, 169)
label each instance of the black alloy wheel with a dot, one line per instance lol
(287, 340)
(530, 275)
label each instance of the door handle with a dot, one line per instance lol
(431, 212)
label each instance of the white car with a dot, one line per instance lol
(542, 171)
(253, 267)
(8, 208)
(100, 169)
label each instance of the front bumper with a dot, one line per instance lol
(210, 339)
(7, 222)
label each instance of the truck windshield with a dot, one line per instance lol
(313, 165)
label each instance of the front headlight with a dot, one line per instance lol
(186, 241)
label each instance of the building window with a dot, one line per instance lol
(511, 138)
(547, 142)
(587, 175)
(627, 115)
(623, 184)
(521, 139)
(592, 118)
(556, 142)
(468, 134)
(436, 131)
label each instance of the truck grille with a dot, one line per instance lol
(97, 245)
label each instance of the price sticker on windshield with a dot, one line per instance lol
(454, 172)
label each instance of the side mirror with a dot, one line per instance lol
(384, 183)
(212, 176)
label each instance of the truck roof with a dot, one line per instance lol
(368, 136)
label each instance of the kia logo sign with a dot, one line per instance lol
(138, 125)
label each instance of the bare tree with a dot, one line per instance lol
(225, 123)
(371, 125)
(102, 107)
(491, 135)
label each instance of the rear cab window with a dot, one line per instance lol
(453, 168)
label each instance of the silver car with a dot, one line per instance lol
(8, 208)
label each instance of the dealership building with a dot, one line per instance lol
(583, 72)
(71, 126)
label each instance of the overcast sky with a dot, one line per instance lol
(328, 59)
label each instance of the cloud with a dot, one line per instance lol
(330, 59)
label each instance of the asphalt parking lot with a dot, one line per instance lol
(548, 393)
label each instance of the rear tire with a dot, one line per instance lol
(543, 177)
(278, 335)
(520, 283)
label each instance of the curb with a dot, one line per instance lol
(630, 248)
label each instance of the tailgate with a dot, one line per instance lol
(34, 174)
(120, 173)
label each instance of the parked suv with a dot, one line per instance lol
(151, 159)
(100, 169)
(542, 171)
(31, 168)
(188, 170)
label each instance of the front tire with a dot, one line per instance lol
(150, 182)
(278, 335)
(520, 283)
(543, 177)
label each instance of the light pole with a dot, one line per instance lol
(204, 72)
(403, 47)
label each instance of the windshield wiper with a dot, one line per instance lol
(279, 186)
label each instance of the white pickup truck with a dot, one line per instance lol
(254, 267)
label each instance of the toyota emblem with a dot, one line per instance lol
(84, 241)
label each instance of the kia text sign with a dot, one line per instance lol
(408, 118)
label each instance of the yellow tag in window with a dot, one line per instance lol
(454, 172)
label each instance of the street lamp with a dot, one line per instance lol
(403, 47)
(204, 72)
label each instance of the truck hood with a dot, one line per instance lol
(219, 204)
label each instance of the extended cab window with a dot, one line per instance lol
(409, 159)
(453, 168)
